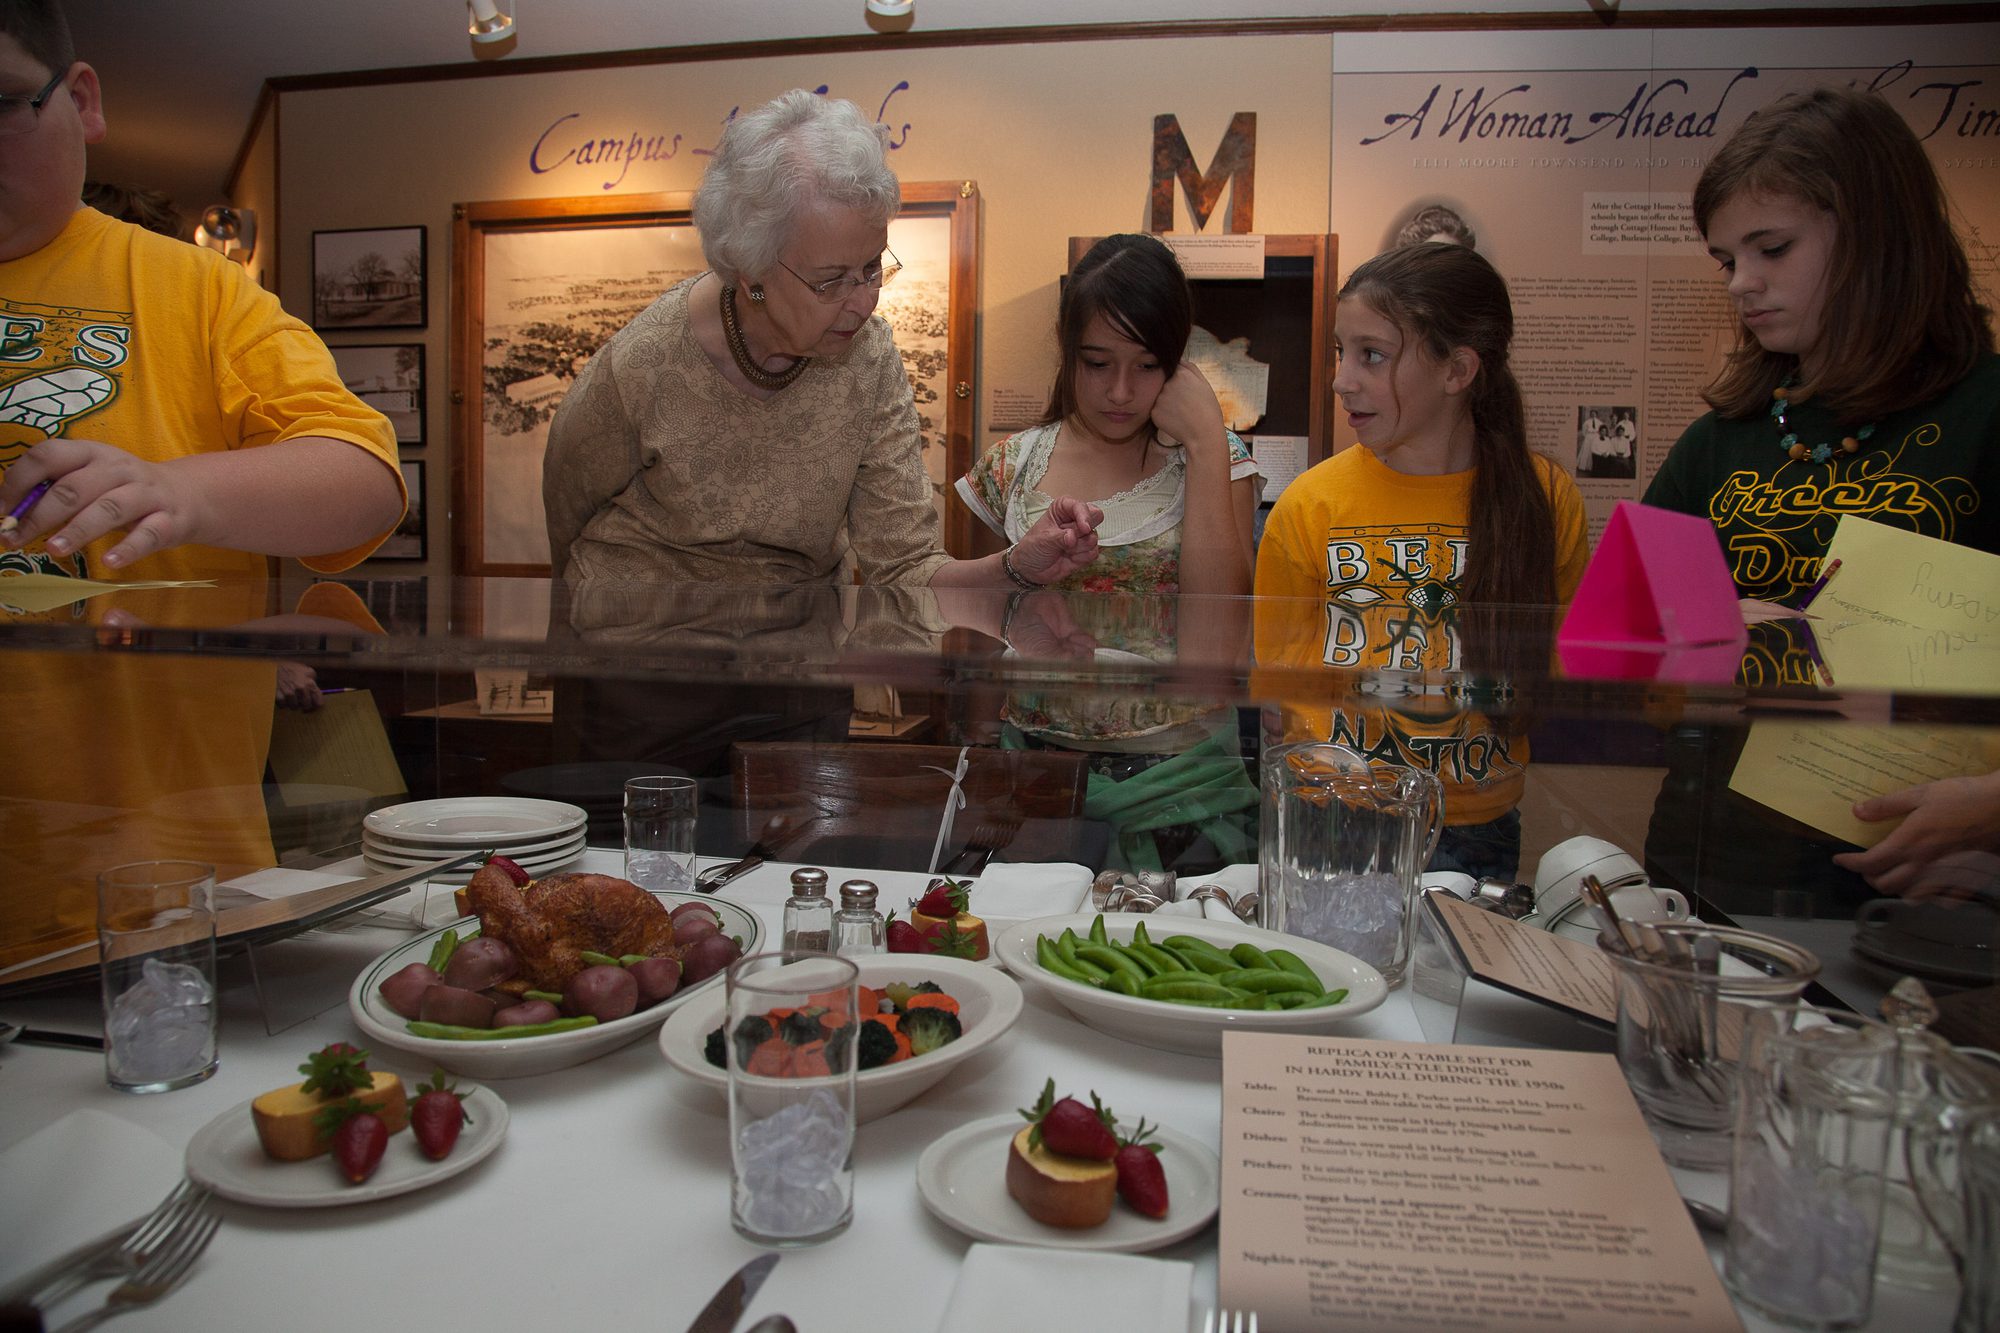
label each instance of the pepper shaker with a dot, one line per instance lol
(809, 913)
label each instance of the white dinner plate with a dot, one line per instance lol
(963, 1180)
(225, 1155)
(563, 851)
(459, 878)
(474, 821)
(519, 1057)
(1180, 1027)
(515, 847)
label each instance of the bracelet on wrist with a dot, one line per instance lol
(1015, 576)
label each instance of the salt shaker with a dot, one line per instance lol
(809, 913)
(857, 929)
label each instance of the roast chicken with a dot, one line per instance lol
(551, 922)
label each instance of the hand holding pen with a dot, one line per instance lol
(20, 511)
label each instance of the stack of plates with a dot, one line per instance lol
(542, 835)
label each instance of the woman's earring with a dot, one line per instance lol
(756, 292)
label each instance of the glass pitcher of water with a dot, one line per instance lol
(1353, 837)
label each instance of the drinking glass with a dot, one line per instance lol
(659, 832)
(1680, 1028)
(791, 1103)
(1816, 1102)
(156, 944)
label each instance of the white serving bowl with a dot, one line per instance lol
(988, 1004)
(519, 1057)
(1189, 1029)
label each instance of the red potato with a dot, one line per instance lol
(481, 962)
(695, 927)
(457, 1006)
(707, 957)
(404, 991)
(605, 992)
(686, 910)
(657, 977)
(526, 1013)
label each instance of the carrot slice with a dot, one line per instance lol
(933, 1000)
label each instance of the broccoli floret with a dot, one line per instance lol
(801, 1026)
(751, 1033)
(929, 1029)
(713, 1050)
(878, 1045)
(927, 988)
(839, 1045)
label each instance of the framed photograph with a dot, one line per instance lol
(369, 278)
(1265, 344)
(539, 285)
(389, 377)
(409, 541)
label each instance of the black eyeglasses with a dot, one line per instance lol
(19, 114)
(834, 290)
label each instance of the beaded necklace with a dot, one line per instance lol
(1796, 448)
(739, 350)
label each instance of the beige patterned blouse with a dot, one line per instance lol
(660, 470)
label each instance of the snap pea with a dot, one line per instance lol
(1264, 980)
(1092, 973)
(1052, 961)
(1247, 954)
(1164, 988)
(1144, 957)
(1297, 966)
(1198, 978)
(1098, 934)
(1122, 982)
(1322, 1001)
(441, 952)
(1066, 945)
(1158, 960)
(452, 1032)
(1193, 946)
(1249, 999)
(1139, 933)
(1112, 959)
(1289, 999)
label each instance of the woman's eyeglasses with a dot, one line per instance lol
(834, 290)
(19, 114)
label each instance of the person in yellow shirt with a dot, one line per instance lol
(1442, 508)
(185, 427)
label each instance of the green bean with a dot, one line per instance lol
(551, 996)
(1247, 954)
(1332, 997)
(596, 959)
(1052, 961)
(441, 952)
(452, 1032)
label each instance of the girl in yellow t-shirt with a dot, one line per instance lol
(1443, 505)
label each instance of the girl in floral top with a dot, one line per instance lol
(1136, 429)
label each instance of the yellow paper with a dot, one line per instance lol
(341, 743)
(1815, 772)
(31, 594)
(1908, 612)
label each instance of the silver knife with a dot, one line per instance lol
(713, 878)
(726, 1307)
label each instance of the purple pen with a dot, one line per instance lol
(28, 501)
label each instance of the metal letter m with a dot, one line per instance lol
(1235, 160)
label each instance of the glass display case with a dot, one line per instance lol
(917, 730)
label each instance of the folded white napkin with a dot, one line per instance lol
(283, 882)
(1006, 1288)
(1019, 891)
(76, 1179)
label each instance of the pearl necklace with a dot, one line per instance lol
(739, 350)
(1795, 448)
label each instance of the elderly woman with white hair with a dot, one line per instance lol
(752, 417)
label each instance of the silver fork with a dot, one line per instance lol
(162, 1271)
(1215, 1321)
(114, 1255)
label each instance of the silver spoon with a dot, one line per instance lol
(1706, 1215)
(75, 1040)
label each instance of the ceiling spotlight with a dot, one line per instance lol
(230, 232)
(488, 21)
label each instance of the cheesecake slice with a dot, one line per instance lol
(1059, 1191)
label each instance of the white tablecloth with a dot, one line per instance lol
(609, 1201)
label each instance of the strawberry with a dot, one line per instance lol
(336, 1070)
(945, 898)
(436, 1117)
(947, 939)
(902, 937)
(1068, 1128)
(512, 868)
(1141, 1180)
(359, 1138)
